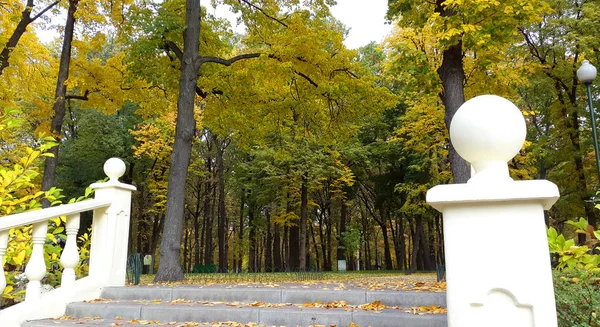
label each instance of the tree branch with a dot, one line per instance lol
(263, 12)
(313, 83)
(170, 45)
(83, 97)
(226, 62)
(45, 10)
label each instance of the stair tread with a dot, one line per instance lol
(268, 316)
(263, 313)
(274, 295)
(337, 305)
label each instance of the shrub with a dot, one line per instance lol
(577, 294)
(19, 192)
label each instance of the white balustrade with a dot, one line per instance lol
(497, 261)
(70, 255)
(3, 246)
(108, 253)
(36, 267)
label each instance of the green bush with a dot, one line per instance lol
(577, 295)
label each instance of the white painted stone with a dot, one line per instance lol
(110, 228)
(36, 267)
(69, 258)
(108, 253)
(3, 246)
(487, 131)
(497, 260)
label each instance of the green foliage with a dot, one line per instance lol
(571, 256)
(350, 241)
(19, 192)
(83, 154)
(84, 243)
(577, 294)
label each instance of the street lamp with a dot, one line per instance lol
(586, 75)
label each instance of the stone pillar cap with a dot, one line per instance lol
(488, 131)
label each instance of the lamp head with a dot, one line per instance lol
(586, 73)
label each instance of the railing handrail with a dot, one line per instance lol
(36, 216)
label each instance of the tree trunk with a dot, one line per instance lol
(343, 217)
(452, 75)
(259, 253)
(197, 237)
(294, 241)
(60, 95)
(208, 215)
(427, 262)
(416, 242)
(303, 219)
(186, 248)
(317, 257)
(286, 247)
(402, 245)
(157, 227)
(277, 248)
(222, 214)
(251, 240)
(440, 240)
(170, 265)
(398, 239)
(387, 255)
(269, 245)
(240, 254)
(321, 218)
(329, 253)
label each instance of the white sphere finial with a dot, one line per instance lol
(488, 131)
(114, 168)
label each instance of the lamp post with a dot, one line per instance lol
(586, 74)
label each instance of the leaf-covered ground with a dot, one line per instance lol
(421, 282)
(376, 306)
(138, 322)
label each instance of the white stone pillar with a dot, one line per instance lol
(110, 228)
(497, 259)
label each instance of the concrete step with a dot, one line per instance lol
(130, 312)
(296, 295)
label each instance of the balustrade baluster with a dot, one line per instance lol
(70, 255)
(3, 245)
(36, 267)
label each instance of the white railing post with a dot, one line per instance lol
(3, 246)
(70, 255)
(497, 258)
(36, 267)
(110, 228)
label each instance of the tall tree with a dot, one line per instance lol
(462, 27)
(60, 95)
(170, 265)
(555, 47)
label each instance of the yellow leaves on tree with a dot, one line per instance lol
(18, 180)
